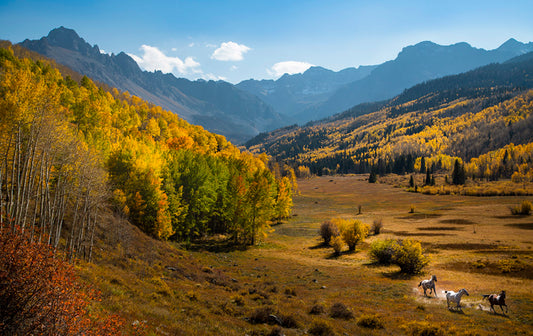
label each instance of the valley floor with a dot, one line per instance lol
(474, 243)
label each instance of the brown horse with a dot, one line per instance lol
(498, 300)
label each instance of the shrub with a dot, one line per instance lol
(424, 329)
(276, 331)
(408, 255)
(337, 243)
(321, 328)
(261, 315)
(377, 225)
(41, 294)
(238, 300)
(317, 310)
(352, 231)
(369, 321)
(523, 209)
(382, 251)
(191, 295)
(290, 291)
(372, 178)
(289, 321)
(339, 310)
(328, 230)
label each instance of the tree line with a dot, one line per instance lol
(71, 150)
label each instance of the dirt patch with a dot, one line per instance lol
(456, 221)
(440, 228)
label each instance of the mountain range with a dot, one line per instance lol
(218, 106)
(309, 99)
(250, 107)
(465, 115)
(292, 94)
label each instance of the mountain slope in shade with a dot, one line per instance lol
(414, 64)
(292, 94)
(219, 106)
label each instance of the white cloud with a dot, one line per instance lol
(233, 67)
(191, 44)
(174, 49)
(230, 51)
(211, 76)
(288, 67)
(154, 59)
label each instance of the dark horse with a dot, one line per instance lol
(498, 300)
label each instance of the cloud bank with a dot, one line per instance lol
(288, 67)
(230, 51)
(154, 59)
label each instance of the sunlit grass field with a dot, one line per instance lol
(292, 279)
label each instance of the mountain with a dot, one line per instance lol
(414, 64)
(219, 106)
(292, 94)
(465, 115)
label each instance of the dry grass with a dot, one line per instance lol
(474, 243)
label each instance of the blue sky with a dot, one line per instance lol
(236, 40)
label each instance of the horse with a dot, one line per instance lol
(429, 284)
(497, 300)
(455, 297)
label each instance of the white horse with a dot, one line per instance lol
(429, 284)
(455, 297)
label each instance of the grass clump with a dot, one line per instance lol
(328, 230)
(276, 331)
(370, 321)
(339, 310)
(321, 328)
(191, 295)
(317, 309)
(424, 329)
(523, 209)
(238, 300)
(290, 291)
(261, 315)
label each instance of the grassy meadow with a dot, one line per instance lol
(292, 279)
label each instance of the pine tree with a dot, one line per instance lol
(458, 174)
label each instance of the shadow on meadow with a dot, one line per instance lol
(522, 226)
(216, 246)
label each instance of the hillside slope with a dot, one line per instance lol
(463, 116)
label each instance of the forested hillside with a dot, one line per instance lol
(70, 150)
(483, 116)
